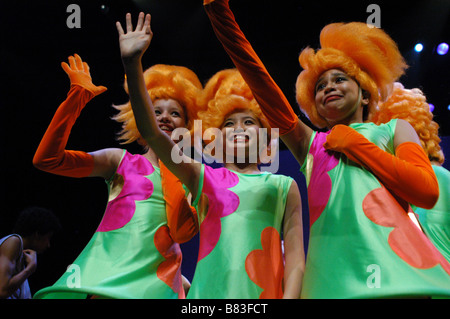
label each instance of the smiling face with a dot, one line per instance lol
(339, 98)
(169, 115)
(240, 132)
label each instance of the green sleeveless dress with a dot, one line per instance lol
(131, 255)
(362, 242)
(240, 251)
(435, 222)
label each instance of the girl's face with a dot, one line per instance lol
(240, 132)
(339, 98)
(169, 115)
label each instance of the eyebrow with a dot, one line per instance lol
(247, 117)
(334, 74)
(170, 109)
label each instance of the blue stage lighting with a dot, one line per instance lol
(442, 48)
(431, 107)
(418, 47)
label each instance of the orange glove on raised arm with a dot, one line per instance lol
(269, 96)
(181, 218)
(51, 155)
(408, 174)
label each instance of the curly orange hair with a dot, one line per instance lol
(225, 93)
(162, 82)
(411, 106)
(367, 54)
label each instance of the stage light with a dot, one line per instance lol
(442, 48)
(104, 9)
(418, 47)
(431, 107)
(448, 107)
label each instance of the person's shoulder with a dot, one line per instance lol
(12, 246)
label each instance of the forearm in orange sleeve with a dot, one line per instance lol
(51, 155)
(269, 96)
(408, 174)
(181, 217)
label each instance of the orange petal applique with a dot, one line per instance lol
(406, 239)
(169, 271)
(265, 266)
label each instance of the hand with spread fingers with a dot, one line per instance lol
(78, 72)
(133, 44)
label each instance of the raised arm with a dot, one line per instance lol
(51, 155)
(294, 133)
(133, 44)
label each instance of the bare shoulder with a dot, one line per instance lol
(106, 162)
(11, 248)
(294, 193)
(404, 132)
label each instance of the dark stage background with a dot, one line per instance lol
(35, 39)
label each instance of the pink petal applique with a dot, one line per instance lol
(319, 187)
(223, 202)
(136, 187)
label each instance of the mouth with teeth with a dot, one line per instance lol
(166, 128)
(240, 138)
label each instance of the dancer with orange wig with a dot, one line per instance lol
(411, 105)
(360, 176)
(241, 210)
(135, 251)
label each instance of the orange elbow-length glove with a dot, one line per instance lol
(181, 217)
(51, 155)
(269, 96)
(408, 174)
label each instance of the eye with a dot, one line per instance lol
(320, 87)
(157, 112)
(228, 124)
(249, 122)
(340, 79)
(176, 114)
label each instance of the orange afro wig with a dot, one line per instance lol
(225, 93)
(412, 106)
(162, 82)
(367, 54)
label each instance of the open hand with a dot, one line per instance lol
(78, 72)
(134, 43)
